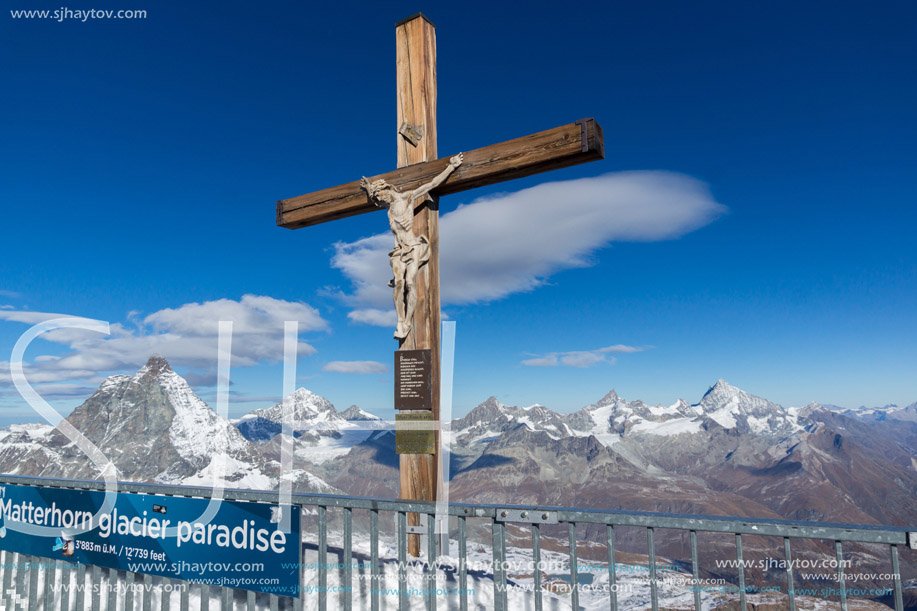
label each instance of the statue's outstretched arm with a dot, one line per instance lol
(420, 192)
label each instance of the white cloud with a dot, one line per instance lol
(10, 294)
(252, 315)
(621, 349)
(186, 336)
(66, 391)
(550, 360)
(581, 358)
(355, 367)
(373, 316)
(512, 242)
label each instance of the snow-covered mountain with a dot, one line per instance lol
(311, 417)
(887, 413)
(730, 453)
(729, 450)
(355, 414)
(731, 407)
(808, 462)
(320, 431)
(611, 418)
(471, 434)
(491, 418)
(153, 428)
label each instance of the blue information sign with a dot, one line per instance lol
(227, 543)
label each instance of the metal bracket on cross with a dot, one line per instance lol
(411, 133)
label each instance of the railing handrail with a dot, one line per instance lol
(862, 533)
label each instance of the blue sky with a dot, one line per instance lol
(753, 219)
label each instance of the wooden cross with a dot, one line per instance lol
(418, 164)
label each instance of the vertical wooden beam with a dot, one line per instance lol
(415, 40)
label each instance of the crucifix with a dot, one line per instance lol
(411, 195)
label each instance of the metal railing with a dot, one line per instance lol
(25, 588)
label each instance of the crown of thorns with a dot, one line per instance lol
(375, 186)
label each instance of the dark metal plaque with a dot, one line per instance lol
(414, 441)
(414, 379)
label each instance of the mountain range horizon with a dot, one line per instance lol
(731, 453)
(157, 361)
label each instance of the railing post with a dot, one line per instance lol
(499, 561)
(225, 597)
(301, 570)
(536, 562)
(9, 561)
(896, 573)
(695, 571)
(742, 602)
(612, 567)
(64, 603)
(402, 560)
(348, 559)
(463, 568)
(51, 570)
(840, 574)
(790, 588)
(431, 562)
(20, 586)
(80, 594)
(375, 569)
(113, 579)
(322, 558)
(654, 592)
(165, 598)
(574, 566)
(33, 583)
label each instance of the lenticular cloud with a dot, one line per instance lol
(512, 242)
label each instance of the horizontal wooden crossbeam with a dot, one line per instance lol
(560, 147)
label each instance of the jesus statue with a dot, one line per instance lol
(411, 251)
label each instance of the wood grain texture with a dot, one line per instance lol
(416, 89)
(552, 149)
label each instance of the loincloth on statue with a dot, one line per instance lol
(407, 253)
(404, 254)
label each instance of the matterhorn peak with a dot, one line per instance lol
(155, 366)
